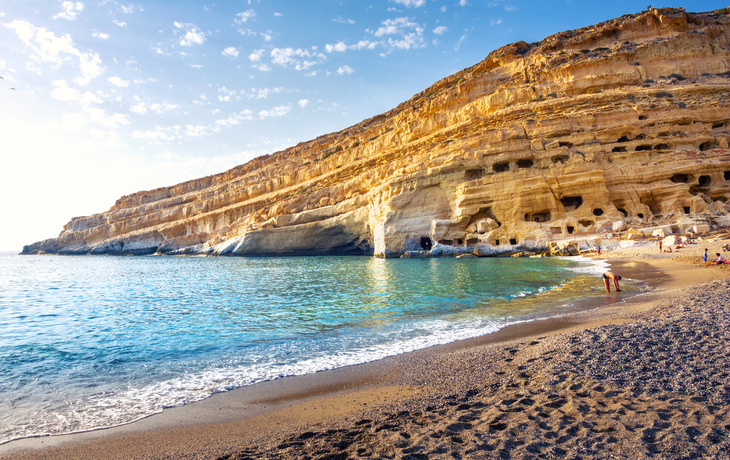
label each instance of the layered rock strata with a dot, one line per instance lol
(618, 127)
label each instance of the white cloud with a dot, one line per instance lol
(159, 108)
(196, 66)
(411, 34)
(49, 48)
(341, 20)
(339, 47)
(214, 111)
(100, 35)
(261, 67)
(267, 36)
(463, 2)
(198, 131)
(236, 118)
(458, 44)
(411, 3)
(245, 16)
(297, 57)
(494, 23)
(193, 35)
(69, 10)
(279, 111)
(345, 70)
(99, 116)
(159, 134)
(510, 8)
(246, 32)
(256, 55)
(440, 30)
(62, 92)
(118, 82)
(127, 9)
(230, 51)
(303, 103)
(120, 23)
(278, 15)
(139, 108)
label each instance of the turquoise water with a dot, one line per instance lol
(97, 341)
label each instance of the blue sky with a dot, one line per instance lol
(102, 98)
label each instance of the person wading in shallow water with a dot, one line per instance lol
(611, 275)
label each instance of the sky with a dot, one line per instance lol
(104, 98)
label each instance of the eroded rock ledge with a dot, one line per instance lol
(611, 128)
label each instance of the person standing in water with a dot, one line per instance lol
(614, 277)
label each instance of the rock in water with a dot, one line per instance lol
(538, 147)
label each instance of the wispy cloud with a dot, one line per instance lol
(301, 59)
(303, 103)
(341, 47)
(411, 3)
(279, 111)
(411, 34)
(440, 30)
(345, 70)
(256, 55)
(96, 34)
(119, 23)
(47, 47)
(230, 52)
(116, 81)
(342, 20)
(69, 10)
(245, 16)
(193, 35)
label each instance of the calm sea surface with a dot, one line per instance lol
(97, 341)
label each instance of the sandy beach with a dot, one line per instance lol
(646, 377)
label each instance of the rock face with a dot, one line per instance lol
(619, 127)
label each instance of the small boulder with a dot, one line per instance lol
(618, 226)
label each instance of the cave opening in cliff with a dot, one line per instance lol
(708, 146)
(623, 139)
(473, 174)
(426, 243)
(598, 212)
(642, 148)
(640, 215)
(718, 125)
(571, 203)
(512, 241)
(459, 241)
(643, 117)
(484, 213)
(585, 223)
(496, 242)
(727, 175)
(661, 147)
(686, 209)
(565, 144)
(570, 229)
(680, 178)
(618, 150)
(446, 242)
(704, 181)
(501, 167)
(525, 163)
(539, 217)
(623, 212)
(561, 159)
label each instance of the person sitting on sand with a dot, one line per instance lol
(611, 275)
(669, 249)
(720, 259)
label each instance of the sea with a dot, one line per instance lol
(88, 342)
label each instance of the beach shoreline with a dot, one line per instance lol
(268, 419)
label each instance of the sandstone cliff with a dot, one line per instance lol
(622, 126)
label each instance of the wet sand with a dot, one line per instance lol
(645, 376)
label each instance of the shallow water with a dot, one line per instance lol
(96, 341)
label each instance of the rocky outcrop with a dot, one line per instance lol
(619, 127)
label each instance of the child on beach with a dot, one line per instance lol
(720, 259)
(704, 256)
(611, 275)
